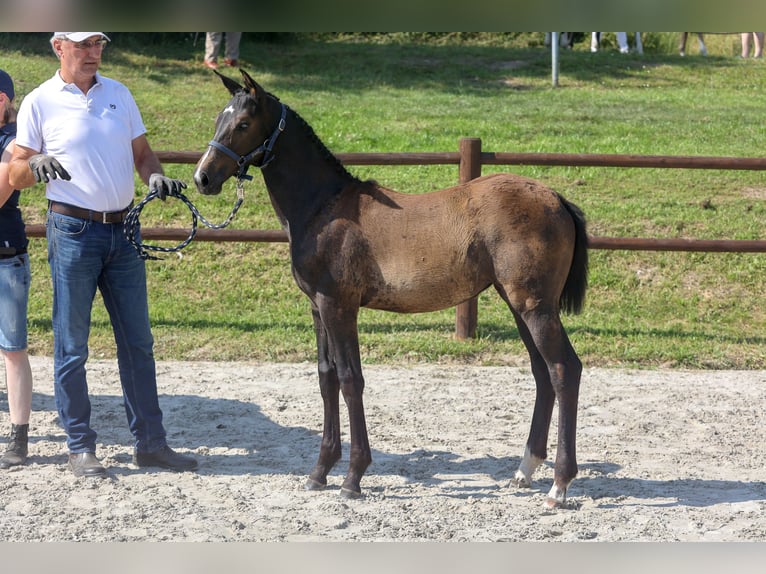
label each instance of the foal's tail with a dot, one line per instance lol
(573, 296)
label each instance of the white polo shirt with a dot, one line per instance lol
(89, 134)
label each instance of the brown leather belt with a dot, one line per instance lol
(90, 215)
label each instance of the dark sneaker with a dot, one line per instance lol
(166, 457)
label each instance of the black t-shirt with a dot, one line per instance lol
(12, 232)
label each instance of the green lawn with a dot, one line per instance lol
(401, 93)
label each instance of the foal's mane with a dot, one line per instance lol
(314, 138)
(326, 153)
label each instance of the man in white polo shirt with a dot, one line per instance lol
(82, 134)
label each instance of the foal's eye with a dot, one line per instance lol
(242, 126)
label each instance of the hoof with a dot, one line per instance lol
(312, 484)
(567, 504)
(557, 498)
(521, 481)
(349, 494)
(552, 503)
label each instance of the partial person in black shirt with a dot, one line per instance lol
(14, 289)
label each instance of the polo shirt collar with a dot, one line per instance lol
(62, 84)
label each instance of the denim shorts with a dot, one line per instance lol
(14, 297)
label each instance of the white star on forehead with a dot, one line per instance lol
(229, 109)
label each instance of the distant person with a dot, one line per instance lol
(213, 41)
(700, 41)
(622, 42)
(14, 288)
(757, 44)
(82, 134)
(566, 39)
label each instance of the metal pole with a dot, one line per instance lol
(555, 58)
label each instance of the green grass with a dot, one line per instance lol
(415, 93)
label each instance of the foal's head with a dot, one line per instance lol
(242, 133)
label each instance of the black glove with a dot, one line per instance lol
(165, 186)
(46, 167)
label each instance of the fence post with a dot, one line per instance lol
(467, 313)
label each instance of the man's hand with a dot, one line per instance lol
(165, 186)
(46, 167)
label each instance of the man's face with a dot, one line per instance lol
(80, 58)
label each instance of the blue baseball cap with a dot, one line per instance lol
(6, 84)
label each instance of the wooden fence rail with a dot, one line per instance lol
(470, 158)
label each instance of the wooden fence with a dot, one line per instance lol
(470, 158)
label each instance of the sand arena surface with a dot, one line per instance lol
(663, 456)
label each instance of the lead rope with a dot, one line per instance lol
(131, 225)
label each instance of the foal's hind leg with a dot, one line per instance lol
(330, 450)
(546, 339)
(536, 450)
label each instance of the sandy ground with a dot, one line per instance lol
(663, 456)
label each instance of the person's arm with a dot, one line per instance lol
(145, 160)
(6, 189)
(150, 169)
(41, 167)
(19, 172)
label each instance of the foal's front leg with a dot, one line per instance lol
(360, 456)
(340, 322)
(330, 450)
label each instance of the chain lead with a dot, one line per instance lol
(132, 225)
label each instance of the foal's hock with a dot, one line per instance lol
(356, 244)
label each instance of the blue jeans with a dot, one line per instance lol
(14, 297)
(85, 255)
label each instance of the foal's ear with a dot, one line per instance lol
(230, 84)
(250, 84)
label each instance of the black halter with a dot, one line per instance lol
(243, 161)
